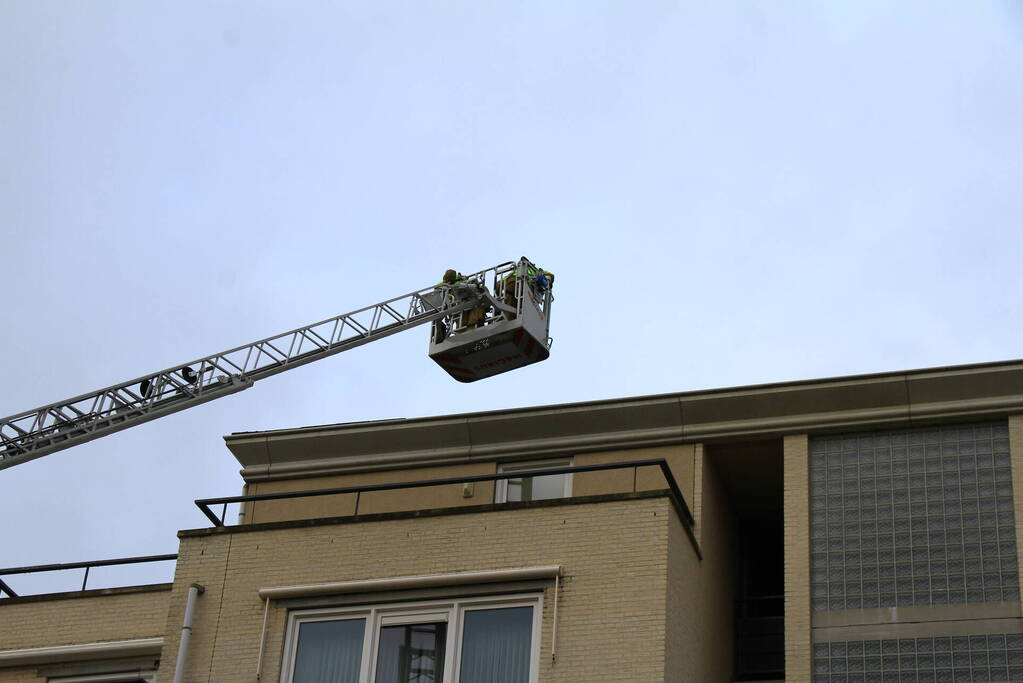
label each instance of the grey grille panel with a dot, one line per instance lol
(920, 660)
(912, 517)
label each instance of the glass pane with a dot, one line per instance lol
(537, 488)
(496, 645)
(329, 651)
(411, 653)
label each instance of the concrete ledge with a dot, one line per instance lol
(897, 615)
(94, 593)
(917, 629)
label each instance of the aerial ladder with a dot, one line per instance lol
(490, 322)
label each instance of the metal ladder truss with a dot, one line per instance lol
(53, 427)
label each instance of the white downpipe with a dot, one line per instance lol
(241, 508)
(186, 631)
(262, 639)
(554, 628)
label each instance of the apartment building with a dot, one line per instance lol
(857, 529)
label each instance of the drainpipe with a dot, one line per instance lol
(186, 631)
(241, 508)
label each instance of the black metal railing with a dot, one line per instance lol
(6, 589)
(760, 638)
(675, 493)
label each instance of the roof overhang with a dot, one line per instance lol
(895, 399)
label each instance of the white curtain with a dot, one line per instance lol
(496, 645)
(329, 651)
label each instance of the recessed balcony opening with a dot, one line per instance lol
(752, 474)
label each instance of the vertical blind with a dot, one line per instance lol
(329, 651)
(496, 645)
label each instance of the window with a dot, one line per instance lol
(466, 641)
(534, 488)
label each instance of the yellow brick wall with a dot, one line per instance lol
(82, 620)
(611, 616)
(1016, 460)
(797, 559)
(699, 628)
(696, 500)
(24, 674)
(681, 459)
(77, 621)
(373, 502)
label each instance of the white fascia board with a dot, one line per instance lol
(406, 582)
(84, 651)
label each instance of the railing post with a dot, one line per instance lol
(4, 588)
(209, 513)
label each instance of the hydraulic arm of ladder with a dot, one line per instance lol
(57, 426)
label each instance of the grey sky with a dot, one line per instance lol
(728, 192)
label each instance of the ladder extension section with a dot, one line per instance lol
(53, 427)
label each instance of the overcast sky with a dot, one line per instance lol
(728, 193)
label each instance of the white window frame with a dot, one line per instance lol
(388, 614)
(501, 489)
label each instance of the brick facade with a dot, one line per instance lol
(612, 609)
(797, 559)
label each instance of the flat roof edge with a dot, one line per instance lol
(891, 400)
(695, 393)
(91, 593)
